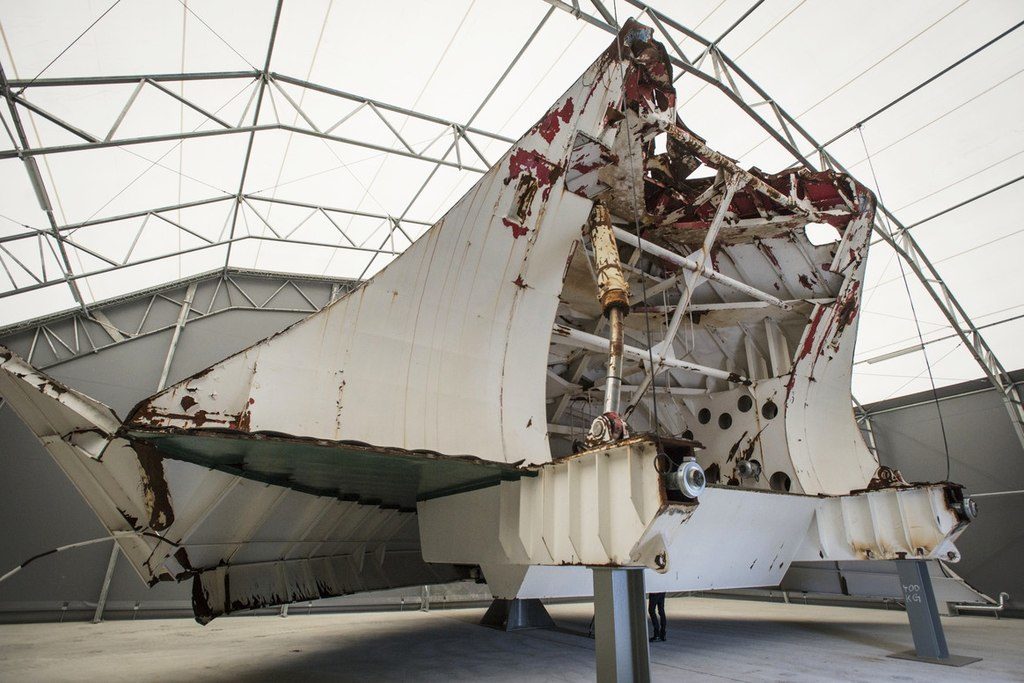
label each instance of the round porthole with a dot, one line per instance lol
(769, 410)
(687, 435)
(780, 482)
(725, 420)
(704, 416)
(745, 403)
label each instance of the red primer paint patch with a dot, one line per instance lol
(517, 230)
(549, 125)
(526, 161)
(805, 350)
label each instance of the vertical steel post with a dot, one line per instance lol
(925, 626)
(101, 604)
(620, 625)
(919, 597)
(186, 306)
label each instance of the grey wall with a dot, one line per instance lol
(985, 456)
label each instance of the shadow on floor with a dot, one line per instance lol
(425, 649)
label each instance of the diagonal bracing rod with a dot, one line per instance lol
(732, 184)
(40, 188)
(592, 342)
(704, 271)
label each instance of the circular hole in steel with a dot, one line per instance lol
(769, 410)
(745, 403)
(704, 416)
(780, 482)
(687, 435)
(725, 420)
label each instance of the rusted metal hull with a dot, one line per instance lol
(475, 362)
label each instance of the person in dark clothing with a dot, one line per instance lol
(656, 610)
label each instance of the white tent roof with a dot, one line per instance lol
(828, 65)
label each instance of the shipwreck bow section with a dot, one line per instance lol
(458, 389)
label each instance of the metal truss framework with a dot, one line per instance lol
(56, 339)
(711, 65)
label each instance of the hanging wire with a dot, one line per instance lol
(186, 8)
(636, 225)
(913, 309)
(69, 46)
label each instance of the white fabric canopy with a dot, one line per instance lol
(829, 65)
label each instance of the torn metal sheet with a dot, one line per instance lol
(177, 521)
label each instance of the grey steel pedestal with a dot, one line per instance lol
(517, 614)
(620, 625)
(929, 638)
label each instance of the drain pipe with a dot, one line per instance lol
(613, 293)
(994, 609)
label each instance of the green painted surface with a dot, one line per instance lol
(365, 473)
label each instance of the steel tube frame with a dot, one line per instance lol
(101, 603)
(706, 272)
(40, 188)
(203, 202)
(732, 183)
(910, 251)
(186, 306)
(101, 271)
(592, 342)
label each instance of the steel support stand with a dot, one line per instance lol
(101, 604)
(929, 638)
(620, 623)
(517, 614)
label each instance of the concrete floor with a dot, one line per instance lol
(709, 639)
